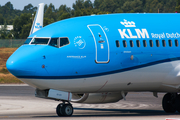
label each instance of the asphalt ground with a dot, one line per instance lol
(18, 102)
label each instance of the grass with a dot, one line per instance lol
(5, 76)
(9, 79)
(4, 71)
(5, 53)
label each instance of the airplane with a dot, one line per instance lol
(100, 58)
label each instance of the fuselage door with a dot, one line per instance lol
(101, 43)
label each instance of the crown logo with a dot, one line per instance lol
(128, 23)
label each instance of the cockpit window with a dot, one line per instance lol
(28, 40)
(59, 42)
(54, 42)
(40, 41)
(64, 41)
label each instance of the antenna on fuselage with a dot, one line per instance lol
(38, 20)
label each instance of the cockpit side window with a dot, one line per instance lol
(59, 42)
(28, 40)
(54, 42)
(40, 41)
(64, 41)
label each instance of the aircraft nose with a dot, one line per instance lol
(19, 64)
(20, 67)
(26, 61)
(10, 65)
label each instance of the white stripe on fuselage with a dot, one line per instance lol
(151, 78)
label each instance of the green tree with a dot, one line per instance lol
(169, 6)
(52, 7)
(29, 9)
(25, 31)
(150, 11)
(118, 10)
(1, 19)
(2, 36)
(47, 21)
(88, 4)
(97, 3)
(126, 6)
(50, 13)
(9, 13)
(108, 5)
(78, 12)
(20, 24)
(22, 21)
(64, 8)
(132, 11)
(137, 6)
(177, 6)
(5, 11)
(9, 36)
(132, 6)
(64, 16)
(64, 12)
(45, 7)
(9, 5)
(79, 4)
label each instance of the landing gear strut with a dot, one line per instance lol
(64, 109)
(171, 102)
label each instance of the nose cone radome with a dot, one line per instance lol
(21, 63)
(10, 65)
(20, 67)
(27, 61)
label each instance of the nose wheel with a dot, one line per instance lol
(64, 109)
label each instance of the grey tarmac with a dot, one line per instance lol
(18, 102)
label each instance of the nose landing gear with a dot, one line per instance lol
(64, 109)
(171, 103)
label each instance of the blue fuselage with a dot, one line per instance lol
(99, 45)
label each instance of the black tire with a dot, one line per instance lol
(67, 110)
(167, 104)
(178, 103)
(59, 110)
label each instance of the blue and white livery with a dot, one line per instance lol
(100, 58)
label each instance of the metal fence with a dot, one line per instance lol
(11, 43)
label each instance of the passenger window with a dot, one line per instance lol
(117, 43)
(151, 43)
(157, 43)
(164, 43)
(124, 43)
(40, 41)
(144, 43)
(54, 42)
(131, 43)
(64, 41)
(28, 41)
(170, 43)
(176, 43)
(138, 43)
